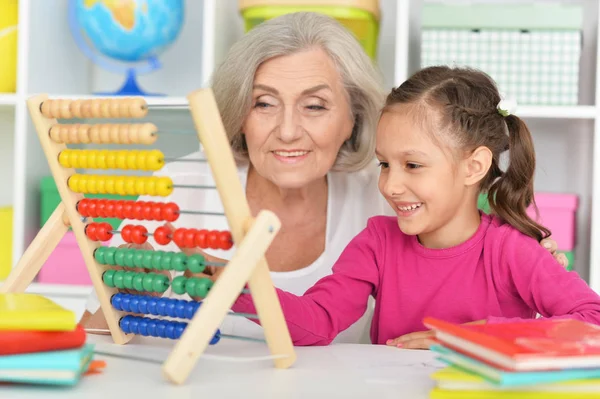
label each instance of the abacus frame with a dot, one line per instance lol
(252, 237)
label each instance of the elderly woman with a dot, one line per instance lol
(300, 100)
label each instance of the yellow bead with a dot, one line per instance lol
(130, 185)
(73, 182)
(101, 159)
(63, 158)
(109, 184)
(101, 185)
(82, 160)
(122, 160)
(164, 186)
(119, 185)
(150, 185)
(141, 160)
(74, 159)
(92, 184)
(155, 160)
(140, 186)
(132, 159)
(92, 154)
(83, 183)
(111, 160)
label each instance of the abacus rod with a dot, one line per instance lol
(202, 213)
(194, 186)
(171, 159)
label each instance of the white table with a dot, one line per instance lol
(335, 371)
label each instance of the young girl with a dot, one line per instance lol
(439, 142)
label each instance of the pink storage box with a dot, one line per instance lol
(557, 212)
(65, 265)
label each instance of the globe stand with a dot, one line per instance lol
(130, 87)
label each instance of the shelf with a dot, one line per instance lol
(66, 290)
(8, 99)
(558, 112)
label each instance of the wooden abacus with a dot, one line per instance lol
(252, 236)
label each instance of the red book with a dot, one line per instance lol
(538, 344)
(17, 342)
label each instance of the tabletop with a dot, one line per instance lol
(242, 369)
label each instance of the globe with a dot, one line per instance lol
(130, 33)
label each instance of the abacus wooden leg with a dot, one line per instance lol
(213, 137)
(38, 252)
(223, 294)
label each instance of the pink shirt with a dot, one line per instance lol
(497, 274)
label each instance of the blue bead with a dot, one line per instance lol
(144, 327)
(126, 303)
(160, 307)
(170, 309)
(135, 325)
(135, 304)
(170, 331)
(152, 328)
(216, 338)
(161, 329)
(179, 328)
(116, 301)
(189, 311)
(143, 305)
(180, 308)
(152, 305)
(124, 324)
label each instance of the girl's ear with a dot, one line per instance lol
(477, 165)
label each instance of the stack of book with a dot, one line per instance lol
(526, 359)
(40, 342)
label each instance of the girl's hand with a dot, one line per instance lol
(552, 247)
(419, 339)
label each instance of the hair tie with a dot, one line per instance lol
(507, 107)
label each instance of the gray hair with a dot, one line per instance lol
(232, 82)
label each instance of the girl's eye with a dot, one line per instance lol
(383, 165)
(412, 165)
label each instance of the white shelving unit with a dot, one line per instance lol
(50, 62)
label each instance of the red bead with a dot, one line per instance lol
(162, 235)
(90, 231)
(212, 239)
(128, 209)
(136, 211)
(119, 210)
(100, 205)
(109, 209)
(126, 233)
(103, 232)
(225, 240)
(178, 237)
(200, 240)
(189, 238)
(170, 212)
(82, 207)
(91, 209)
(147, 211)
(139, 234)
(157, 212)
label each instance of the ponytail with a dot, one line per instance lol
(511, 194)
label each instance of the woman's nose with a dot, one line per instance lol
(289, 126)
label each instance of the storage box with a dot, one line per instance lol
(360, 16)
(532, 51)
(50, 198)
(6, 233)
(65, 265)
(9, 15)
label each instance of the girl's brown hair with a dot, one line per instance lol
(465, 102)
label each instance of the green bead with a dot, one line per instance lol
(99, 254)
(178, 285)
(190, 286)
(108, 276)
(156, 257)
(129, 258)
(138, 281)
(203, 285)
(160, 283)
(147, 263)
(109, 256)
(148, 281)
(128, 279)
(118, 279)
(165, 261)
(178, 262)
(138, 258)
(195, 263)
(120, 256)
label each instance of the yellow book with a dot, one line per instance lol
(26, 312)
(438, 393)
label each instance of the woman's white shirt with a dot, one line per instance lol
(352, 199)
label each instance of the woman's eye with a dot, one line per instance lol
(261, 104)
(315, 107)
(383, 165)
(411, 165)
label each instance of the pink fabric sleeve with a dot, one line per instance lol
(336, 301)
(532, 273)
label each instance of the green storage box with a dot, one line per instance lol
(50, 200)
(532, 51)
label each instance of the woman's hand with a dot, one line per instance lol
(419, 339)
(552, 247)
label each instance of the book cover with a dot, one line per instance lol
(24, 311)
(526, 345)
(17, 342)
